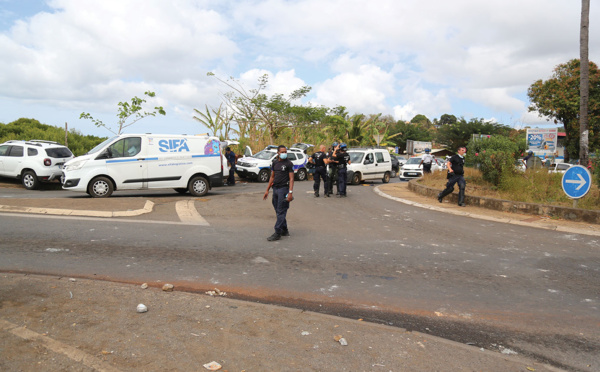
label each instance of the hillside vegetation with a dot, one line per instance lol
(30, 129)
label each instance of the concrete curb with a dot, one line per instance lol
(570, 214)
(488, 218)
(81, 213)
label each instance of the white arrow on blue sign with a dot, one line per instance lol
(576, 182)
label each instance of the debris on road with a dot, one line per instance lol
(168, 287)
(144, 286)
(305, 333)
(141, 308)
(216, 292)
(212, 366)
(341, 340)
(72, 279)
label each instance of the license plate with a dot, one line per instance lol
(412, 174)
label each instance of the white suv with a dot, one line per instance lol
(33, 161)
(258, 166)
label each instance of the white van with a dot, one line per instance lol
(369, 164)
(147, 161)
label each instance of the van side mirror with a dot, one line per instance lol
(106, 154)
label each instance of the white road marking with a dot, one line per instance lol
(57, 347)
(188, 214)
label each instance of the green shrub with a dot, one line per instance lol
(495, 157)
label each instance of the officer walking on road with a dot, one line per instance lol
(456, 175)
(282, 181)
(318, 159)
(342, 159)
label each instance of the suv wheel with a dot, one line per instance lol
(301, 174)
(30, 180)
(100, 187)
(263, 175)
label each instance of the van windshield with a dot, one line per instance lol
(100, 146)
(356, 157)
(264, 155)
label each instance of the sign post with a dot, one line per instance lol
(576, 182)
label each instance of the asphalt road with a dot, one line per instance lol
(491, 284)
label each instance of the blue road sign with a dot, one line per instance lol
(576, 182)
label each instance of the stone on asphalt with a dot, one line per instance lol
(168, 287)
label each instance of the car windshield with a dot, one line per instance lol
(413, 161)
(100, 146)
(356, 157)
(264, 155)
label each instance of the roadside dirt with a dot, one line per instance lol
(60, 324)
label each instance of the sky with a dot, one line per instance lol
(467, 58)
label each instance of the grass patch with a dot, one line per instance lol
(532, 187)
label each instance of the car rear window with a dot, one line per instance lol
(59, 152)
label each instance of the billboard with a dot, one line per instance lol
(542, 141)
(417, 147)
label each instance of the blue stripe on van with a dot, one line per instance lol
(205, 156)
(121, 161)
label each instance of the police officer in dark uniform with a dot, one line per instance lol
(332, 174)
(342, 159)
(230, 156)
(282, 181)
(456, 175)
(318, 159)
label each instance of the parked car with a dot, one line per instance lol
(258, 166)
(33, 161)
(401, 159)
(369, 164)
(412, 169)
(559, 167)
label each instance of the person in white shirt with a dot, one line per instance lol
(426, 161)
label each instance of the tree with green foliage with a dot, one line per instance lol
(460, 133)
(219, 124)
(558, 97)
(403, 131)
(30, 129)
(447, 119)
(422, 120)
(125, 112)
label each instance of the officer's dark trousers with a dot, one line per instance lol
(342, 175)
(462, 184)
(320, 172)
(426, 168)
(231, 178)
(332, 176)
(281, 206)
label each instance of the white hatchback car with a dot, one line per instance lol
(412, 169)
(33, 161)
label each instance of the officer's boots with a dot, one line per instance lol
(461, 197)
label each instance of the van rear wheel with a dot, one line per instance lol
(100, 187)
(386, 177)
(198, 186)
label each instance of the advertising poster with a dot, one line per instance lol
(542, 141)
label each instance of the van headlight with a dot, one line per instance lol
(75, 165)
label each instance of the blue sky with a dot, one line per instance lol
(401, 58)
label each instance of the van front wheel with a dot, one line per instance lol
(198, 186)
(356, 178)
(100, 187)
